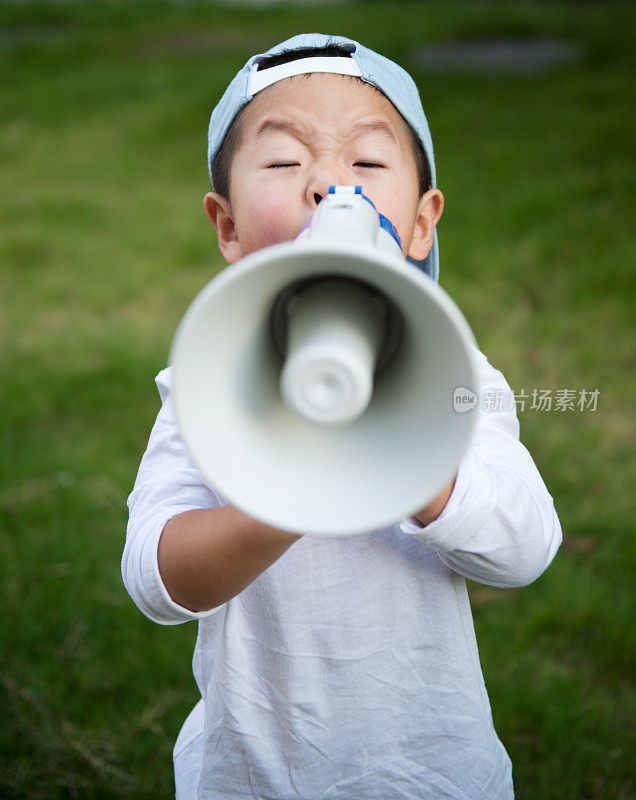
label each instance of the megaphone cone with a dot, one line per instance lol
(357, 438)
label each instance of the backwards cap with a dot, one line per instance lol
(394, 82)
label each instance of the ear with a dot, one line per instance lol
(219, 212)
(429, 210)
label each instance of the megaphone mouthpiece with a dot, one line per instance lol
(334, 332)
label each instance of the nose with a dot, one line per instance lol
(321, 178)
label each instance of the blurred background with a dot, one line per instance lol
(103, 244)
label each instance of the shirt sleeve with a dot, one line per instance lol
(499, 526)
(167, 484)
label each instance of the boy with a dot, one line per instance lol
(343, 667)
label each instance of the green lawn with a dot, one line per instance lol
(103, 243)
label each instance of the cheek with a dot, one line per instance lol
(404, 227)
(265, 221)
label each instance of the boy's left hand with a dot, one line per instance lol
(432, 511)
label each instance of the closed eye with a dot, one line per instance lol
(369, 165)
(284, 165)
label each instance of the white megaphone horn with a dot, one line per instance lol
(314, 380)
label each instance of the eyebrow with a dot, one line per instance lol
(303, 135)
(283, 126)
(375, 126)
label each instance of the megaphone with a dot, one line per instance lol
(313, 380)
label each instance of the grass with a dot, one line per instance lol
(103, 112)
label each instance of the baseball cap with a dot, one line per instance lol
(393, 81)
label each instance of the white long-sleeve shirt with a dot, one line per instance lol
(349, 668)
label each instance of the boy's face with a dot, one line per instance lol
(304, 134)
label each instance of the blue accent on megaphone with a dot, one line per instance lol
(389, 227)
(356, 190)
